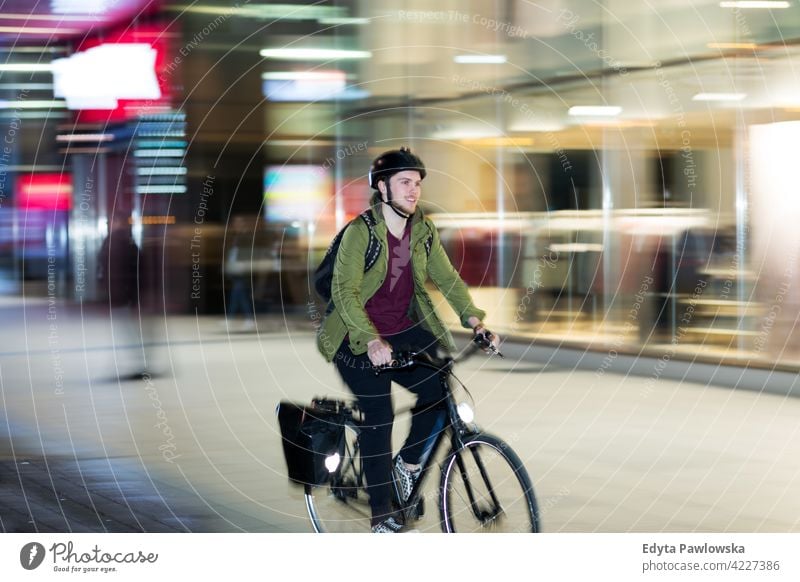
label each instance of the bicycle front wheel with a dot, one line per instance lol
(486, 489)
(342, 505)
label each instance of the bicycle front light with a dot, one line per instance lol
(465, 412)
(332, 462)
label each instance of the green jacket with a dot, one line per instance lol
(351, 287)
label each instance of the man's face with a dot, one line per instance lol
(406, 189)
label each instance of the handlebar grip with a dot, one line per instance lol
(400, 360)
(485, 343)
(393, 365)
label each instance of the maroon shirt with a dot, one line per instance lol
(388, 308)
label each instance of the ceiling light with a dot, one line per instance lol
(311, 54)
(594, 110)
(480, 59)
(719, 97)
(754, 4)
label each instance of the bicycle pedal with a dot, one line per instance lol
(417, 511)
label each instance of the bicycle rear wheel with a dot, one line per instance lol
(486, 489)
(341, 506)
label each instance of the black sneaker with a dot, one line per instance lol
(388, 525)
(406, 478)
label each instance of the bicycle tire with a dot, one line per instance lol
(342, 505)
(503, 474)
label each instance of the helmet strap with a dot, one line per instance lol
(390, 204)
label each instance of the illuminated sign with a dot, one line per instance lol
(99, 77)
(296, 193)
(120, 76)
(44, 191)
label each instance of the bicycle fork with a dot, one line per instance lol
(482, 515)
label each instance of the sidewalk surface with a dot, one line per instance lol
(86, 446)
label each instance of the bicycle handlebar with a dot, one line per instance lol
(409, 359)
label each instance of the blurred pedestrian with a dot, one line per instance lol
(239, 271)
(118, 274)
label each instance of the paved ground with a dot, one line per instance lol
(196, 447)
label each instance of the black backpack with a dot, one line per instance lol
(323, 276)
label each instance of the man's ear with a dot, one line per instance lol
(382, 187)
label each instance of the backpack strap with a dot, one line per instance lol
(374, 244)
(429, 241)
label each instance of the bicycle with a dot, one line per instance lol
(484, 486)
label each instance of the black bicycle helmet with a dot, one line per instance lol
(389, 163)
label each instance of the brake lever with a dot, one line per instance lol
(486, 345)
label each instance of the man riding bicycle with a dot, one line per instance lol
(387, 307)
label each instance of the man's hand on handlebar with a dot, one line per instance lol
(481, 332)
(379, 352)
(486, 340)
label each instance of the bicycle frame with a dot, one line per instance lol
(457, 429)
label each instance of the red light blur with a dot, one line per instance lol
(44, 191)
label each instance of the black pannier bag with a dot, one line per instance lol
(310, 435)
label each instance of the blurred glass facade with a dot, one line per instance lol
(612, 175)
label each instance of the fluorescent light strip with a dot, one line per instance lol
(160, 143)
(30, 86)
(20, 104)
(40, 114)
(303, 75)
(719, 97)
(26, 68)
(343, 20)
(769, 4)
(161, 189)
(159, 153)
(37, 30)
(162, 171)
(47, 17)
(480, 59)
(311, 54)
(85, 137)
(80, 6)
(266, 11)
(594, 111)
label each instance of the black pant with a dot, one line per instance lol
(375, 399)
